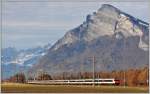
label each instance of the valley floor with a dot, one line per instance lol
(32, 88)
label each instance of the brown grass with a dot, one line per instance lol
(32, 88)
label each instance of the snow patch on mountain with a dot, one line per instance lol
(20, 59)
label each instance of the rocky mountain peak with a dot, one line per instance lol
(117, 38)
(108, 20)
(109, 9)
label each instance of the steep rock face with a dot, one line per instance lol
(119, 41)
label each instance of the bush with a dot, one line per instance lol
(18, 78)
(44, 76)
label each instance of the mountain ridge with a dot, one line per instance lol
(78, 31)
(120, 40)
(14, 60)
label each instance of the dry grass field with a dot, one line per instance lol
(32, 88)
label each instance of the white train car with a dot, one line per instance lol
(111, 81)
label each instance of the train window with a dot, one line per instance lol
(106, 80)
(72, 81)
(88, 81)
(96, 80)
(79, 81)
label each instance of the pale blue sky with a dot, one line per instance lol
(30, 24)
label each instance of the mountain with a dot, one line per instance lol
(9, 54)
(14, 60)
(118, 40)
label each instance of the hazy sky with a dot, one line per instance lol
(30, 24)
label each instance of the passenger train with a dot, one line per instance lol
(111, 81)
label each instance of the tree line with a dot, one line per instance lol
(131, 77)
